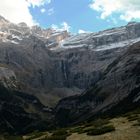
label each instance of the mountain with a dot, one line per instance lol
(25, 60)
(117, 91)
(52, 78)
(54, 64)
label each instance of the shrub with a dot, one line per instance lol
(60, 132)
(133, 117)
(58, 135)
(97, 123)
(135, 112)
(77, 129)
(55, 138)
(100, 122)
(13, 137)
(88, 129)
(90, 126)
(34, 135)
(101, 130)
(138, 123)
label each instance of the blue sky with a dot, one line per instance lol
(72, 15)
(76, 13)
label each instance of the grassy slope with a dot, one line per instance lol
(127, 127)
(124, 131)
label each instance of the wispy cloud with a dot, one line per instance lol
(51, 11)
(43, 10)
(81, 31)
(64, 26)
(38, 2)
(128, 9)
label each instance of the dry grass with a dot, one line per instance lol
(124, 128)
(124, 131)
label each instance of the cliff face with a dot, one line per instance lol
(52, 64)
(117, 89)
(82, 67)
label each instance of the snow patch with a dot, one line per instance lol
(16, 37)
(117, 45)
(14, 42)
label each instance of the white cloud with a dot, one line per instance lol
(80, 31)
(112, 20)
(62, 27)
(54, 26)
(65, 26)
(43, 10)
(128, 9)
(50, 11)
(18, 10)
